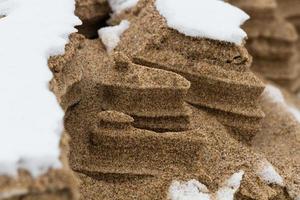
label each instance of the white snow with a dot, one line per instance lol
(230, 187)
(13, 193)
(268, 174)
(213, 19)
(191, 190)
(194, 190)
(110, 36)
(295, 112)
(275, 95)
(119, 6)
(32, 31)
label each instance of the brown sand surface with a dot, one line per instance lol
(217, 69)
(290, 9)
(289, 72)
(279, 141)
(263, 9)
(272, 41)
(123, 113)
(66, 78)
(114, 159)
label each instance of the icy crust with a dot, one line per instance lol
(119, 6)
(213, 19)
(30, 130)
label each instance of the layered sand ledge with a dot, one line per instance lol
(153, 112)
(273, 40)
(290, 9)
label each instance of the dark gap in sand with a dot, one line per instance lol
(90, 28)
(93, 14)
(112, 177)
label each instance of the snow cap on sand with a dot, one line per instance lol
(31, 32)
(213, 19)
(119, 6)
(110, 36)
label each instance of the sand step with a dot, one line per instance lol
(125, 149)
(289, 8)
(277, 69)
(269, 48)
(278, 30)
(147, 94)
(262, 9)
(214, 87)
(164, 123)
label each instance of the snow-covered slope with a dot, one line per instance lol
(213, 19)
(30, 117)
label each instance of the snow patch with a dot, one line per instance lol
(295, 112)
(119, 6)
(194, 190)
(31, 32)
(191, 190)
(110, 36)
(275, 95)
(213, 19)
(230, 187)
(268, 174)
(13, 193)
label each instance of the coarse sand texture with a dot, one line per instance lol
(214, 68)
(169, 112)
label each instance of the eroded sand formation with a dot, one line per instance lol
(272, 43)
(213, 68)
(290, 9)
(165, 107)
